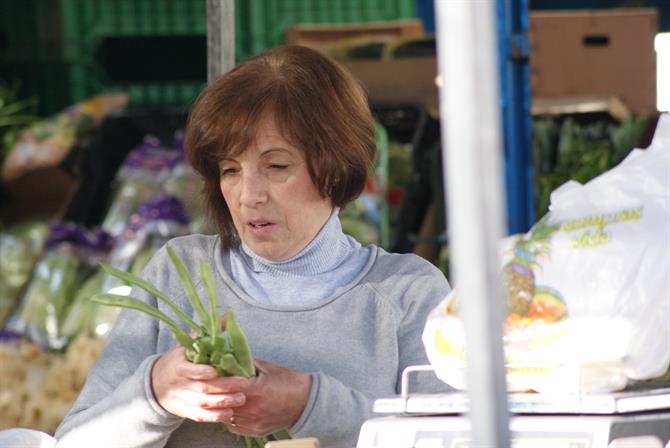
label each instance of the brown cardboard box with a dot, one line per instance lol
(315, 35)
(408, 79)
(575, 56)
(595, 52)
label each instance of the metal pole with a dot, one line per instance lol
(220, 37)
(514, 51)
(472, 146)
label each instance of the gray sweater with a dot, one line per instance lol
(354, 343)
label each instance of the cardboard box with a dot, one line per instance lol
(595, 52)
(316, 35)
(579, 55)
(407, 79)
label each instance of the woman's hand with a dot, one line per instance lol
(194, 391)
(275, 400)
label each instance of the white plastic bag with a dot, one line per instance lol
(25, 438)
(588, 286)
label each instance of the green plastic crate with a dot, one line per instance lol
(51, 45)
(261, 24)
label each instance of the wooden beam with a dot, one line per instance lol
(220, 37)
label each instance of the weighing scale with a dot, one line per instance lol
(637, 417)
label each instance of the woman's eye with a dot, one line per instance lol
(228, 171)
(276, 166)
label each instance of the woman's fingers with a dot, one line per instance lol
(199, 414)
(275, 399)
(195, 391)
(213, 401)
(193, 371)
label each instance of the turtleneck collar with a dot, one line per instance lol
(329, 248)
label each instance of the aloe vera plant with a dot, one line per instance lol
(226, 349)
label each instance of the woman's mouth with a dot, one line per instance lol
(260, 228)
(259, 224)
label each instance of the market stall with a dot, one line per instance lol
(149, 195)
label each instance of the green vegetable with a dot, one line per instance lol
(48, 297)
(79, 314)
(189, 287)
(228, 352)
(20, 247)
(134, 280)
(565, 149)
(133, 303)
(239, 345)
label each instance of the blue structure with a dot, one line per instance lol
(515, 101)
(514, 53)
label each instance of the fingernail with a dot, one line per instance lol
(237, 399)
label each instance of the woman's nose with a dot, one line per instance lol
(253, 190)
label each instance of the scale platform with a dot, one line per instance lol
(638, 417)
(636, 399)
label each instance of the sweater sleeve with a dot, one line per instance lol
(423, 295)
(117, 402)
(334, 411)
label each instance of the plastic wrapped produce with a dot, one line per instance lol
(47, 142)
(184, 183)
(140, 178)
(71, 254)
(80, 311)
(20, 246)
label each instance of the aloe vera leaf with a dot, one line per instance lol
(197, 357)
(136, 304)
(239, 344)
(208, 279)
(231, 366)
(202, 350)
(187, 284)
(137, 281)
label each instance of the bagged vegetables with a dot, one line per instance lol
(587, 286)
(70, 255)
(20, 247)
(47, 142)
(139, 179)
(226, 350)
(185, 184)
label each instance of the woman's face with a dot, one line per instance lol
(274, 204)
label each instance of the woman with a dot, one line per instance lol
(283, 141)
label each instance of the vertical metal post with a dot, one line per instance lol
(472, 146)
(514, 53)
(220, 37)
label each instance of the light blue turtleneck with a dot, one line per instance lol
(330, 261)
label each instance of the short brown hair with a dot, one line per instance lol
(317, 106)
